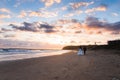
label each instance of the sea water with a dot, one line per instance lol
(16, 54)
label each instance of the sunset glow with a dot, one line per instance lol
(57, 23)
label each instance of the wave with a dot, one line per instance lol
(16, 54)
(22, 51)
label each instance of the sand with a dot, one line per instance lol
(95, 65)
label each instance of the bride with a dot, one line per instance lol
(80, 51)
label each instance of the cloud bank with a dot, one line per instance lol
(34, 27)
(93, 22)
(70, 25)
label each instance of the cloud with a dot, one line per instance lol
(48, 28)
(64, 8)
(22, 14)
(68, 25)
(34, 27)
(93, 22)
(45, 14)
(115, 33)
(8, 43)
(78, 32)
(5, 30)
(4, 43)
(80, 4)
(100, 8)
(49, 3)
(41, 13)
(77, 12)
(2, 16)
(0, 30)
(115, 14)
(68, 15)
(9, 35)
(91, 25)
(60, 26)
(4, 10)
(67, 21)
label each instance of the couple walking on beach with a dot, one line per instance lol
(82, 50)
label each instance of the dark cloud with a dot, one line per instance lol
(93, 22)
(114, 26)
(104, 5)
(74, 20)
(78, 32)
(99, 32)
(115, 33)
(26, 27)
(34, 27)
(50, 31)
(5, 30)
(46, 26)
(2, 30)
(9, 35)
(65, 21)
(73, 42)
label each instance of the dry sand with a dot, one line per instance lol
(95, 65)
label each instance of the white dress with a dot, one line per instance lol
(80, 52)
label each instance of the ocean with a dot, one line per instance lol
(17, 54)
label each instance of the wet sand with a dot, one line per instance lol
(95, 65)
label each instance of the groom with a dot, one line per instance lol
(84, 50)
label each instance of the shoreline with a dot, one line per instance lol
(13, 57)
(95, 65)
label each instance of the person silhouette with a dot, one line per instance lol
(84, 50)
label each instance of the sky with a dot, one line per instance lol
(57, 23)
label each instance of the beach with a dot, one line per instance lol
(95, 65)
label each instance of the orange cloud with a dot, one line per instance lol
(45, 14)
(41, 13)
(94, 25)
(80, 4)
(22, 14)
(50, 2)
(100, 8)
(4, 16)
(4, 10)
